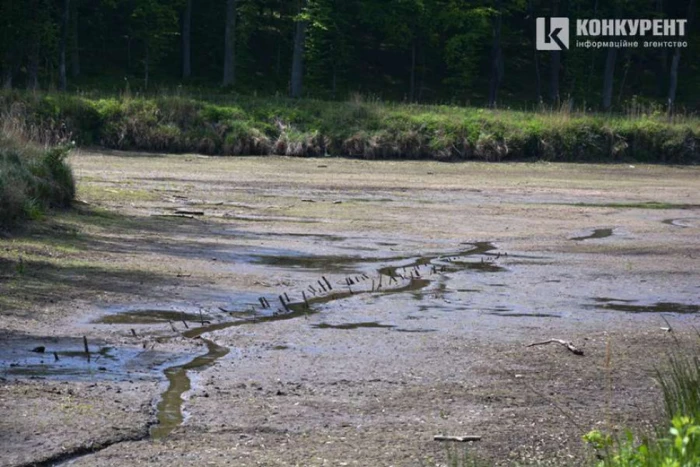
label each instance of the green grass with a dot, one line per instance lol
(675, 445)
(32, 180)
(239, 125)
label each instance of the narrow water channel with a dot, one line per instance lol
(412, 276)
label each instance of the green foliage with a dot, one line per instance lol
(32, 181)
(359, 128)
(679, 448)
(418, 50)
(674, 446)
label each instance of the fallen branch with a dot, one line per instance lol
(571, 347)
(460, 439)
(181, 216)
(189, 212)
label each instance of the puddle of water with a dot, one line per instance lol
(256, 218)
(610, 300)
(65, 359)
(660, 307)
(347, 326)
(684, 223)
(151, 317)
(597, 233)
(330, 263)
(522, 315)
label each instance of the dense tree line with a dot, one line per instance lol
(479, 51)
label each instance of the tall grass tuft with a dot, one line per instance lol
(677, 442)
(680, 383)
(32, 178)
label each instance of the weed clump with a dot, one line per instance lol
(32, 180)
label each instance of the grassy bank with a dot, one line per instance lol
(32, 179)
(224, 125)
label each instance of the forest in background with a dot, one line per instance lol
(430, 51)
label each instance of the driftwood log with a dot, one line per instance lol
(571, 347)
(459, 439)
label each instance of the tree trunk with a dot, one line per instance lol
(230, 44)
(62, 83)
(662, 65)
(128, 52)
(186, 47)
(673, 86)
(146, 68)
(7, 77)
(74, 47)
(33, 69)
(627, 66)
(673, 82)
(536, 61)
(661, 71)
(496, 60)
(334, 83)
(555, 64)
(298, 56)
(538, 78)
(608, 77)
(412, 87)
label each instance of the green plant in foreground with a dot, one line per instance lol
(677, 446)
(680, 448)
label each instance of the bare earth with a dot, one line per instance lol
(502, 256)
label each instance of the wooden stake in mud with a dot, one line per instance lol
(372, 285)
(262, 302)
(55, 356)
(327, 283)
(322, 286)
(87, 349)
(286, 297)
(201, 318)
(185, 323)
(172, 326)
(306, 302)
(284, 304)
(133, 332)
(311, 288)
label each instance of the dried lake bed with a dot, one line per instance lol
(278, 311)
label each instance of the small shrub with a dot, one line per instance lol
(32, 180)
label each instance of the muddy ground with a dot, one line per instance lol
(164, 261)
